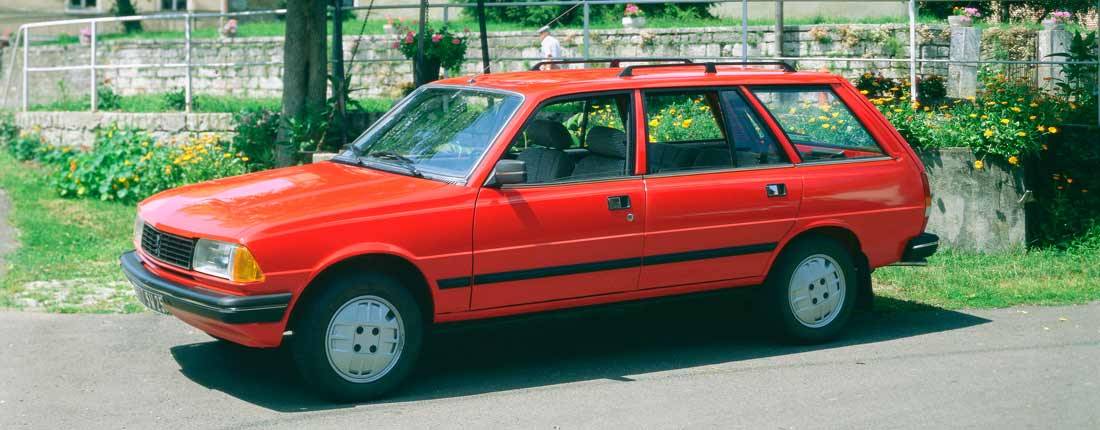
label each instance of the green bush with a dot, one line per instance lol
(537, 16)
(127, 165)
(256, 134)
(176, 100)
(26, 145)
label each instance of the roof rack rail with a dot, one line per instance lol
(614, 62)
(710, 66)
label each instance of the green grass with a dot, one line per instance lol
(78, 241)
(956, 280)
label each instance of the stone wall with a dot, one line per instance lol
(380, 70)
(975, 210)
(77, 129)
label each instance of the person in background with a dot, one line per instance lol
(551, 49)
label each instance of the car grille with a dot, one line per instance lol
(169, 248)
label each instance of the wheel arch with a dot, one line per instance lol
(844, 235)
(392, 264)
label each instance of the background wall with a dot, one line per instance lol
(385, 78)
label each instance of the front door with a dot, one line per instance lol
(575, 228)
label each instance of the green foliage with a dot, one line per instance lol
(307, 133)
(176, 100)
(256, 135)
(25, 145)
(931, 89)
(442, 45)
(127, 165)
(1079, 83)
(678, 118)
(8, 129)
(1066, 186)
(107, 99)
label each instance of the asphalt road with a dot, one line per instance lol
(683, 365)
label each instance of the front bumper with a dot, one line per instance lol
(157, 292)
(919, 249)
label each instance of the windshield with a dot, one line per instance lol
(437, 131)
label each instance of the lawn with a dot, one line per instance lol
(68, 260)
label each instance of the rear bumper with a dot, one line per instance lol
(222, 308)
(918, 249)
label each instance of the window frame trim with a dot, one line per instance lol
(883, 153)
(752, 103)
(631, 161)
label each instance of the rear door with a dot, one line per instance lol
(575, 228)
(721, 191)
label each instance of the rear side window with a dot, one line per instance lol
(705, 130)
(818, 123)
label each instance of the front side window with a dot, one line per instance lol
(437, 131)
(818, 123)
(705, 130)
(578, 138)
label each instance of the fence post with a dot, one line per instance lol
(962, 78)
(91, 68)
(26, 46)
(187, 61)
(1051, 42)
(584, 51)
(745, 30)
(913, 50)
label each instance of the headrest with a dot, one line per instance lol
(549, 134)
(607, 142)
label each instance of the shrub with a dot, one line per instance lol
(176, 100)
(256, 135)
(106, 98)
(127, 165)
(26, 145)
(931, 89)
(537, 16)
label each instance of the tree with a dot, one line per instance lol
(126, 8)
(304, 74)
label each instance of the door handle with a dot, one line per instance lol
(617, 203)
(776, 190)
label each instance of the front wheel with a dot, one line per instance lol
(811, 290)
(359, 338)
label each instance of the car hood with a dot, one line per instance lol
(232, 208)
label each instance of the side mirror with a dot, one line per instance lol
(507, 172)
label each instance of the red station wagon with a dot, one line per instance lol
(514, 193)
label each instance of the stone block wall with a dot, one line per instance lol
(379, 70)
(975, 210)
(77, 129)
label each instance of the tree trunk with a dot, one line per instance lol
(304, 72)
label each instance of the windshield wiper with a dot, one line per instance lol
(405, 162)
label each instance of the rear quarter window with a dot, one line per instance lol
(818, 123)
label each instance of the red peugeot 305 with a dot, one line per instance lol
(524, 192)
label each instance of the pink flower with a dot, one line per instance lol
(437, 37)
(455, 41)
(632, 10)
(409, 38)
(395, 45)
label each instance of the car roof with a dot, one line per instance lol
(548, 83)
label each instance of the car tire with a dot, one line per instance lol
(359, 338)
(811, 290)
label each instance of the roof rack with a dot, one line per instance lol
(710, 66)
(614, 62)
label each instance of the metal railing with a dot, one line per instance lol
(188, 18)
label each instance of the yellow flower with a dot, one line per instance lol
(792, 111)
(1013, 160)
(244, 158)
(687, 123)
(973, 115)
(1052, 130)
(825, 126)
(654, 122)
(988, 133)
(823, 117)
(1021, 134)
(1032, 117)
(985, 116)
(978, 164)
(1041, 128)
(1005, 121)
(1069, 180)
(1015, 109)
(1034, 105)
(864, 92)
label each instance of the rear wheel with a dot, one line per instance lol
(359, 338)
(811, 290)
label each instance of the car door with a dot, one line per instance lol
(721, 191)
(575, 228)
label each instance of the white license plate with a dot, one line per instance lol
(151, 299)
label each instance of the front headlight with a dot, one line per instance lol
(226, 260)
(139, 226)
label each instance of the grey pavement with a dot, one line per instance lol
(690, 364)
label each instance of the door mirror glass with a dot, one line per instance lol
(508, 172)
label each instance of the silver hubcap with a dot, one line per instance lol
(816, 293)
(364, 339)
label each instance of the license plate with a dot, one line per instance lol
(151, 299)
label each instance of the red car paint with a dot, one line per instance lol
(300, 221)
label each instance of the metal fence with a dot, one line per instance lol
(23, 36)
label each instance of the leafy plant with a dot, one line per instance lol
(256, 135)
(442, 45)
(176, 100)
(106, 98)
(1079, 83)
